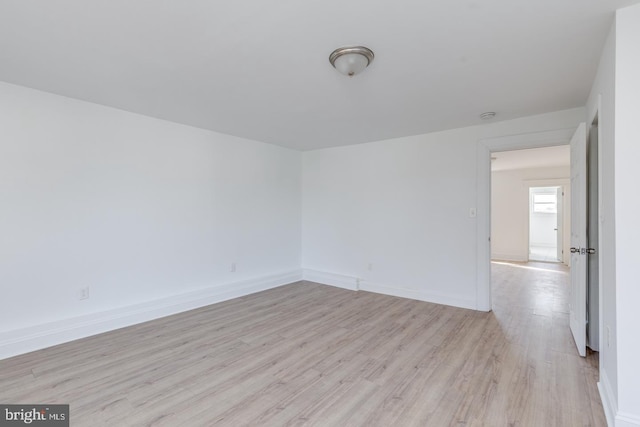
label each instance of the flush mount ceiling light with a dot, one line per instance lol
(351, 60)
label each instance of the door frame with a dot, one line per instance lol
(483, 202)
(592, 117)
(563, 183)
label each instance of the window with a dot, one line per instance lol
(545, 203)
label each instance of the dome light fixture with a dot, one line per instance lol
(351, 60)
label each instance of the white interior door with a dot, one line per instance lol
(578, 300)
(559, 222)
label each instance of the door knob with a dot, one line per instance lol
(575, 250)
(591, 251)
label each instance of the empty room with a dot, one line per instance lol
(319, 213)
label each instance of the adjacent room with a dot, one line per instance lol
(329, 214)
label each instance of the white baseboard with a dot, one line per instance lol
(614, 417)
(433, 297)
(331, 279)
(627, 420)
(354, 284)
(37, 337)
(607, 397)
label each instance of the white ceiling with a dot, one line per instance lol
(531, 158)
(260, 69)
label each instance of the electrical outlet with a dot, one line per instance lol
(83, 293)
(233, 267)
(472, 212)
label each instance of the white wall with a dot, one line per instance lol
(510, 209)
(627, 207)
(403, 206)
(617, 90)
(604, 90)
(136, 208)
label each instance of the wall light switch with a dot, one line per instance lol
(472, 212)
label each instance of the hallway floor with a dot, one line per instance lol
(543, 253)
(531, 301)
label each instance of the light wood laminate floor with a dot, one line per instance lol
(308, 354)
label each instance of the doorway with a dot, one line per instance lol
(486, 150)
(484, 231)
(546, 224)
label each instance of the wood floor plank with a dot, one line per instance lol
(309, 354)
